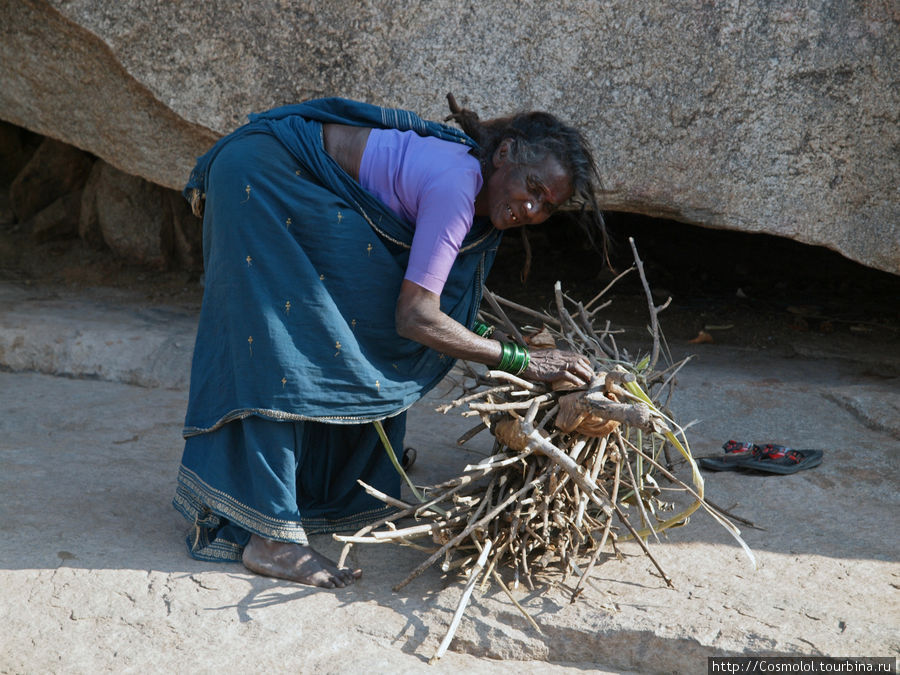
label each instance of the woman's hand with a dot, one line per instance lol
(419, 317)
(549, 365)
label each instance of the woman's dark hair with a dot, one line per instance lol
(535, 135)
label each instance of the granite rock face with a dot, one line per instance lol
(781, 118)
(137, 220)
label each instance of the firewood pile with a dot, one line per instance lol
(573, 471)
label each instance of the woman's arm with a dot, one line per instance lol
(419, 317)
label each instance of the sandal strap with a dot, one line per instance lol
(738, 448)
(773, 452)
(769, 452)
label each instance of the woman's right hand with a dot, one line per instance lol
(419, 317)
(549, 365)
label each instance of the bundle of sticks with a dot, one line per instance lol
(572, 472)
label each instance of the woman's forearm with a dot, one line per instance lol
(419, 317)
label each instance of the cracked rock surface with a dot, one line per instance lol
(95, 577)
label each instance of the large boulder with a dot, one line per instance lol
(137, 220)
(58, 220)
(764, 117)
(54, 170)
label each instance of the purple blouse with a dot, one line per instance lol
(431, 184)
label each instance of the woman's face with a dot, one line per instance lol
(523, 194)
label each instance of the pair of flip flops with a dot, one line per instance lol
(770, 458)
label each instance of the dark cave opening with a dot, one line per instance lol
(702, 266)
(754, 290)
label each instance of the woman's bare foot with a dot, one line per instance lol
(295, 563)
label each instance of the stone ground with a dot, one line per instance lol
(94, 576)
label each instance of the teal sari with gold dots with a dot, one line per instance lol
(297, 351)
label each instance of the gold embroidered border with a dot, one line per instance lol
(352, 522)
(282, 416)
(194, 500)
(193, 494)
(216, 551)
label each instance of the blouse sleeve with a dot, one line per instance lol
(445, 213)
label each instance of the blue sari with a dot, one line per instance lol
(297, 351)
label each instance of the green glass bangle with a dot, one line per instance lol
(526, 363)
(523, 358)
(514, 359)
(518, 363)
(483, 329)
(507, 354)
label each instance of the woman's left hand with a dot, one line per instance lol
(549, 365)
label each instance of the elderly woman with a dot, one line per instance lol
(345, 246)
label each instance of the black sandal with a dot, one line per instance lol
(779, 459)
(768, 458)
(409, 458)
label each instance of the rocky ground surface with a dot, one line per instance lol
(94, 576)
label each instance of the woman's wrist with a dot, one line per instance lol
(513, 358)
